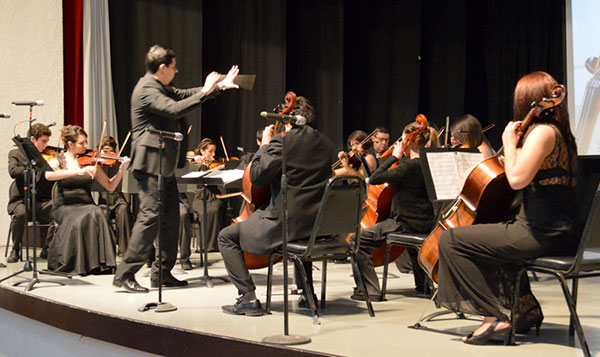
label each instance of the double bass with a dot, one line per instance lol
(256, 197)
(486, 196)
(379, 197)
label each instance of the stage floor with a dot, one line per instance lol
(345, 327)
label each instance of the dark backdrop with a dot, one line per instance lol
(362, 64)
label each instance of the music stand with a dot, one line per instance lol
(35, 164)
(206, 179)
(159, 306)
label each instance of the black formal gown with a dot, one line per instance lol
(478, 263)
(84, 242)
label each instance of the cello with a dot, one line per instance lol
(256, 197)
(379, 198)
(486, 196)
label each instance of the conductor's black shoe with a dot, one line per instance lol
(130, 284)
(13, 257)
(243, 307)
(168, 281)
(187, 265)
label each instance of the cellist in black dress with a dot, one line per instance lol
(542, 164)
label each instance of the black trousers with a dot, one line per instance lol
(43, 214)
(118, 209)
(145, 228)
(185, 230)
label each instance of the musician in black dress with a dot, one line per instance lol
(474, 260)
(17, 162)
(411, 210)
(84, 242)
(156, 105)
(309, 158)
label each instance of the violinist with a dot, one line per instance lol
(381, 142)
(309, 157)
(466, 132)
(17, 163)
(84, 242)
(117, 203)
(411, 210)
(156, 104)
(365, 161)
(477, 263)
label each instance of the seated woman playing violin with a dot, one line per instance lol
(358, 160)
(84, 242)
(411, 210)
(541, 161)
(466, 132)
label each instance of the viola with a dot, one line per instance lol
(255, 197)
(486, 196)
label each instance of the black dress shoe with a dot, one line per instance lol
(44, 253)
(242, 307)
(187, 265)
(168, 281)
(13, 257)
(129, 284)
(359, 296)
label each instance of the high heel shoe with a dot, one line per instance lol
(483, 337)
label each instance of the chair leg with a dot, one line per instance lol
(574, 289)
(513, 312)
(323, 282)
(363, 286)
(269, 283)
(386, 262)
(308, 293)
(574, 317)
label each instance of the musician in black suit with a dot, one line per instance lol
(309, 158)
(155, 104)
(17, 162)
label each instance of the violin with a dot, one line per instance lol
(106, 159)
(352, 158)
(255, 197)
(50, 152)
(486, 196)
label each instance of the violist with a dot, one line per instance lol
(476, 263)
(411, 210)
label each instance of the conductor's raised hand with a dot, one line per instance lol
(227, 82)
(210, 82)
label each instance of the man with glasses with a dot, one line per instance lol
(381, 142)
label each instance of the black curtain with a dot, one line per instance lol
(361, 64)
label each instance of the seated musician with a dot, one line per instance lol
(542, 163)
(381, 142)
(411, 210)
(309, 158)
(247, 157)
(17, 163)
(117, 203)
(84, 242)
(467, 132)
(366, 162)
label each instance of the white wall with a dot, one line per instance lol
(31, 68)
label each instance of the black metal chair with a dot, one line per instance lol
(585, 264)
(338, 215)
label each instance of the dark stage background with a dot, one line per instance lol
(362, 64)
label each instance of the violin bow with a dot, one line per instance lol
(100, 143)
(224, 148)
(124, 143)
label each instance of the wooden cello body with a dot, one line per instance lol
(257, 197)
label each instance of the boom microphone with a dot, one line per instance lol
(286, 118)
(31, 103)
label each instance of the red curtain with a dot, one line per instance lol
(73, 61)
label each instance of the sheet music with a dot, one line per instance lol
(449, 170)
(195, 174)
(227, 175)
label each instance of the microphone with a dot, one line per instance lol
(51, 124)
(286, 118)
(4, 115)
(166, 134)
(31, 103)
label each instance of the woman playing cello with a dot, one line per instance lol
(411, 210)
(542, 163)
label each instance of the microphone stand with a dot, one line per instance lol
(29, 196)
(159, 306)
(286, 338)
